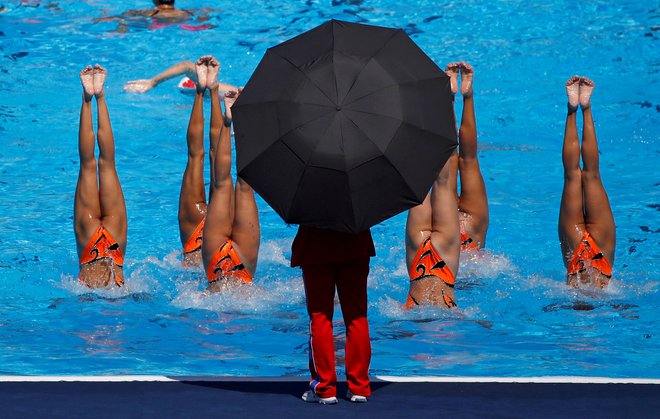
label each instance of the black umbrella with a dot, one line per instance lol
(344, 126)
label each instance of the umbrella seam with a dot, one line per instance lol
(382, 155)
(385, 155)
(390, 85)
(291, 130)
(396, 32)
(348, 179)
(306, 163)
(305, 75)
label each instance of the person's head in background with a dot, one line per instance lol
(165, 3)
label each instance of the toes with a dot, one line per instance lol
(573, 80)
(465, 67)
(586, 81)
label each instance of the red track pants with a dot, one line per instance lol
(351, 284)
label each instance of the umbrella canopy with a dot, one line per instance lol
(344, 126)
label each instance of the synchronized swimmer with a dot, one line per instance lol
(99, 210)
(447, 223)
(587, 232)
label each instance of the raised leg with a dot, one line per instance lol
(597, 211)
(452, 70)
(192, 198)
(418, 228)
(113, 206)
(571, 214)
(217, 119)
(219, 216)
(437, 218)
(473, 199)
(246, 231)
(86, 207)
(445, 234)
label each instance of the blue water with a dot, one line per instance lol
(516, 317)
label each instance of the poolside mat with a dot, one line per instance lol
(240, 398)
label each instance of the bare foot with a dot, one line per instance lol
(87, 80)
(573, 91)
(99, 80)
(201, 69)
(213, 68)
(586, 88)
(452, 72)
(467, 76)
(230, 98)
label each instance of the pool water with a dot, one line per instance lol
(516, 316)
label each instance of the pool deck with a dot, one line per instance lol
(278, 397)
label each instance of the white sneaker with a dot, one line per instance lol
(310, 397)
(355, 398)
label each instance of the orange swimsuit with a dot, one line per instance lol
(427, 262)
(194, 242)
(467, 243)
(103, 246)
(226, 262)
(588, 255)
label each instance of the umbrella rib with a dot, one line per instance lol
(382, 155)
(297, 126)
(366, 136)
(305, 75)
(306, 163)
(395, 33)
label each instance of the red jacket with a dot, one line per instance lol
(316, 246)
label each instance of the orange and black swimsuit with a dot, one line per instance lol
(226, 262)
(427, 262)
(588, 255)
(103, 246)
(194, 242)
(467, 243)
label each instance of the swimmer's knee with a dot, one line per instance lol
(196, 154)
(590, 176)
(88, 164)
(243, 185)
(573, 175)
(106, 163)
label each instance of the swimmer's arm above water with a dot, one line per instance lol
(144, 85)
(186, 68)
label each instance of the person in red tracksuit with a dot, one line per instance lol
(334, 260)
